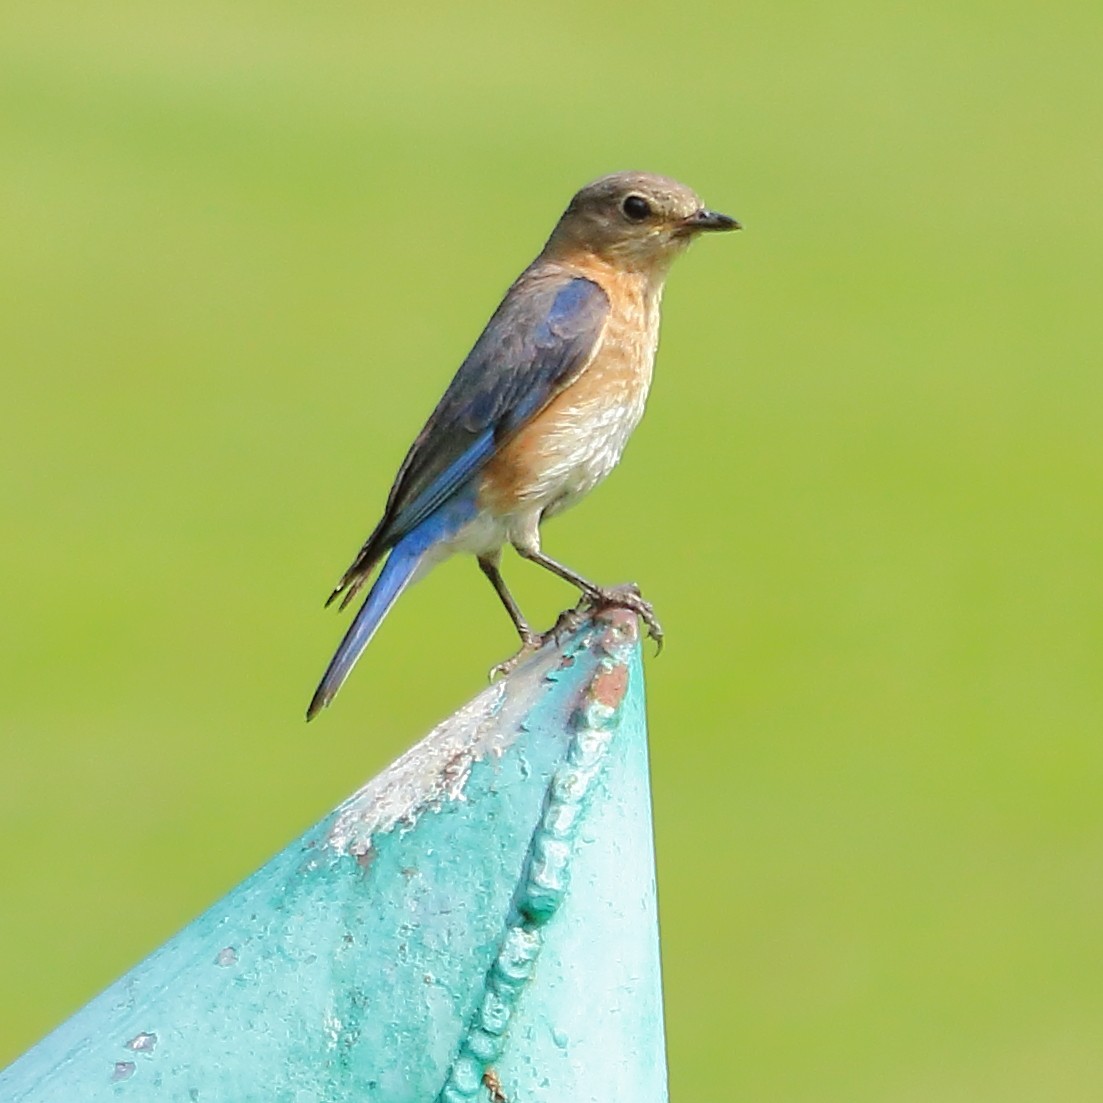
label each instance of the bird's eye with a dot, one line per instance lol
(636, 208)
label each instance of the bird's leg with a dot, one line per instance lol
(530, 641)
(489, 566)
(602, 597)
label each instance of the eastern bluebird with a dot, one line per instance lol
(539, 412)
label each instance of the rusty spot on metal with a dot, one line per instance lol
(494, 1087)
(609, 686)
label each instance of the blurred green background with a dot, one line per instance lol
(245, 246)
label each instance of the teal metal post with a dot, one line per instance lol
(477, 923)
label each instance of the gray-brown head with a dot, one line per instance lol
(636, 220)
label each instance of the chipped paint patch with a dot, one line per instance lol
(437, 769)
(123, 1070)
(143, 1042)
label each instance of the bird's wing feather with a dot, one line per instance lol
(543, 334)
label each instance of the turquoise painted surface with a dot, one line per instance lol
(481, 913)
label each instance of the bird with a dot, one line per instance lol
(538, 413)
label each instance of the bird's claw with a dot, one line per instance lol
(629, 597)
(570, 620)
(507, 666)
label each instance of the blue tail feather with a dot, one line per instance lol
(396, 575)
(392, 580)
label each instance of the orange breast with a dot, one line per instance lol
(577, 439)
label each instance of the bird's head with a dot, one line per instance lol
(634, 220)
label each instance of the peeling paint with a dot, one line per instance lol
(437, 769)
(142, 1043)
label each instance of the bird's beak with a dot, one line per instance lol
(709, 220)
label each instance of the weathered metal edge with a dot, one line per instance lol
(546, 875)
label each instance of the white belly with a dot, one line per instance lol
(581, 449)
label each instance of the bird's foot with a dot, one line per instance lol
(530, 645)
(567, 622)
(570, 620)
(628, 597)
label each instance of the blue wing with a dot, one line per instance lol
(540, 337)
